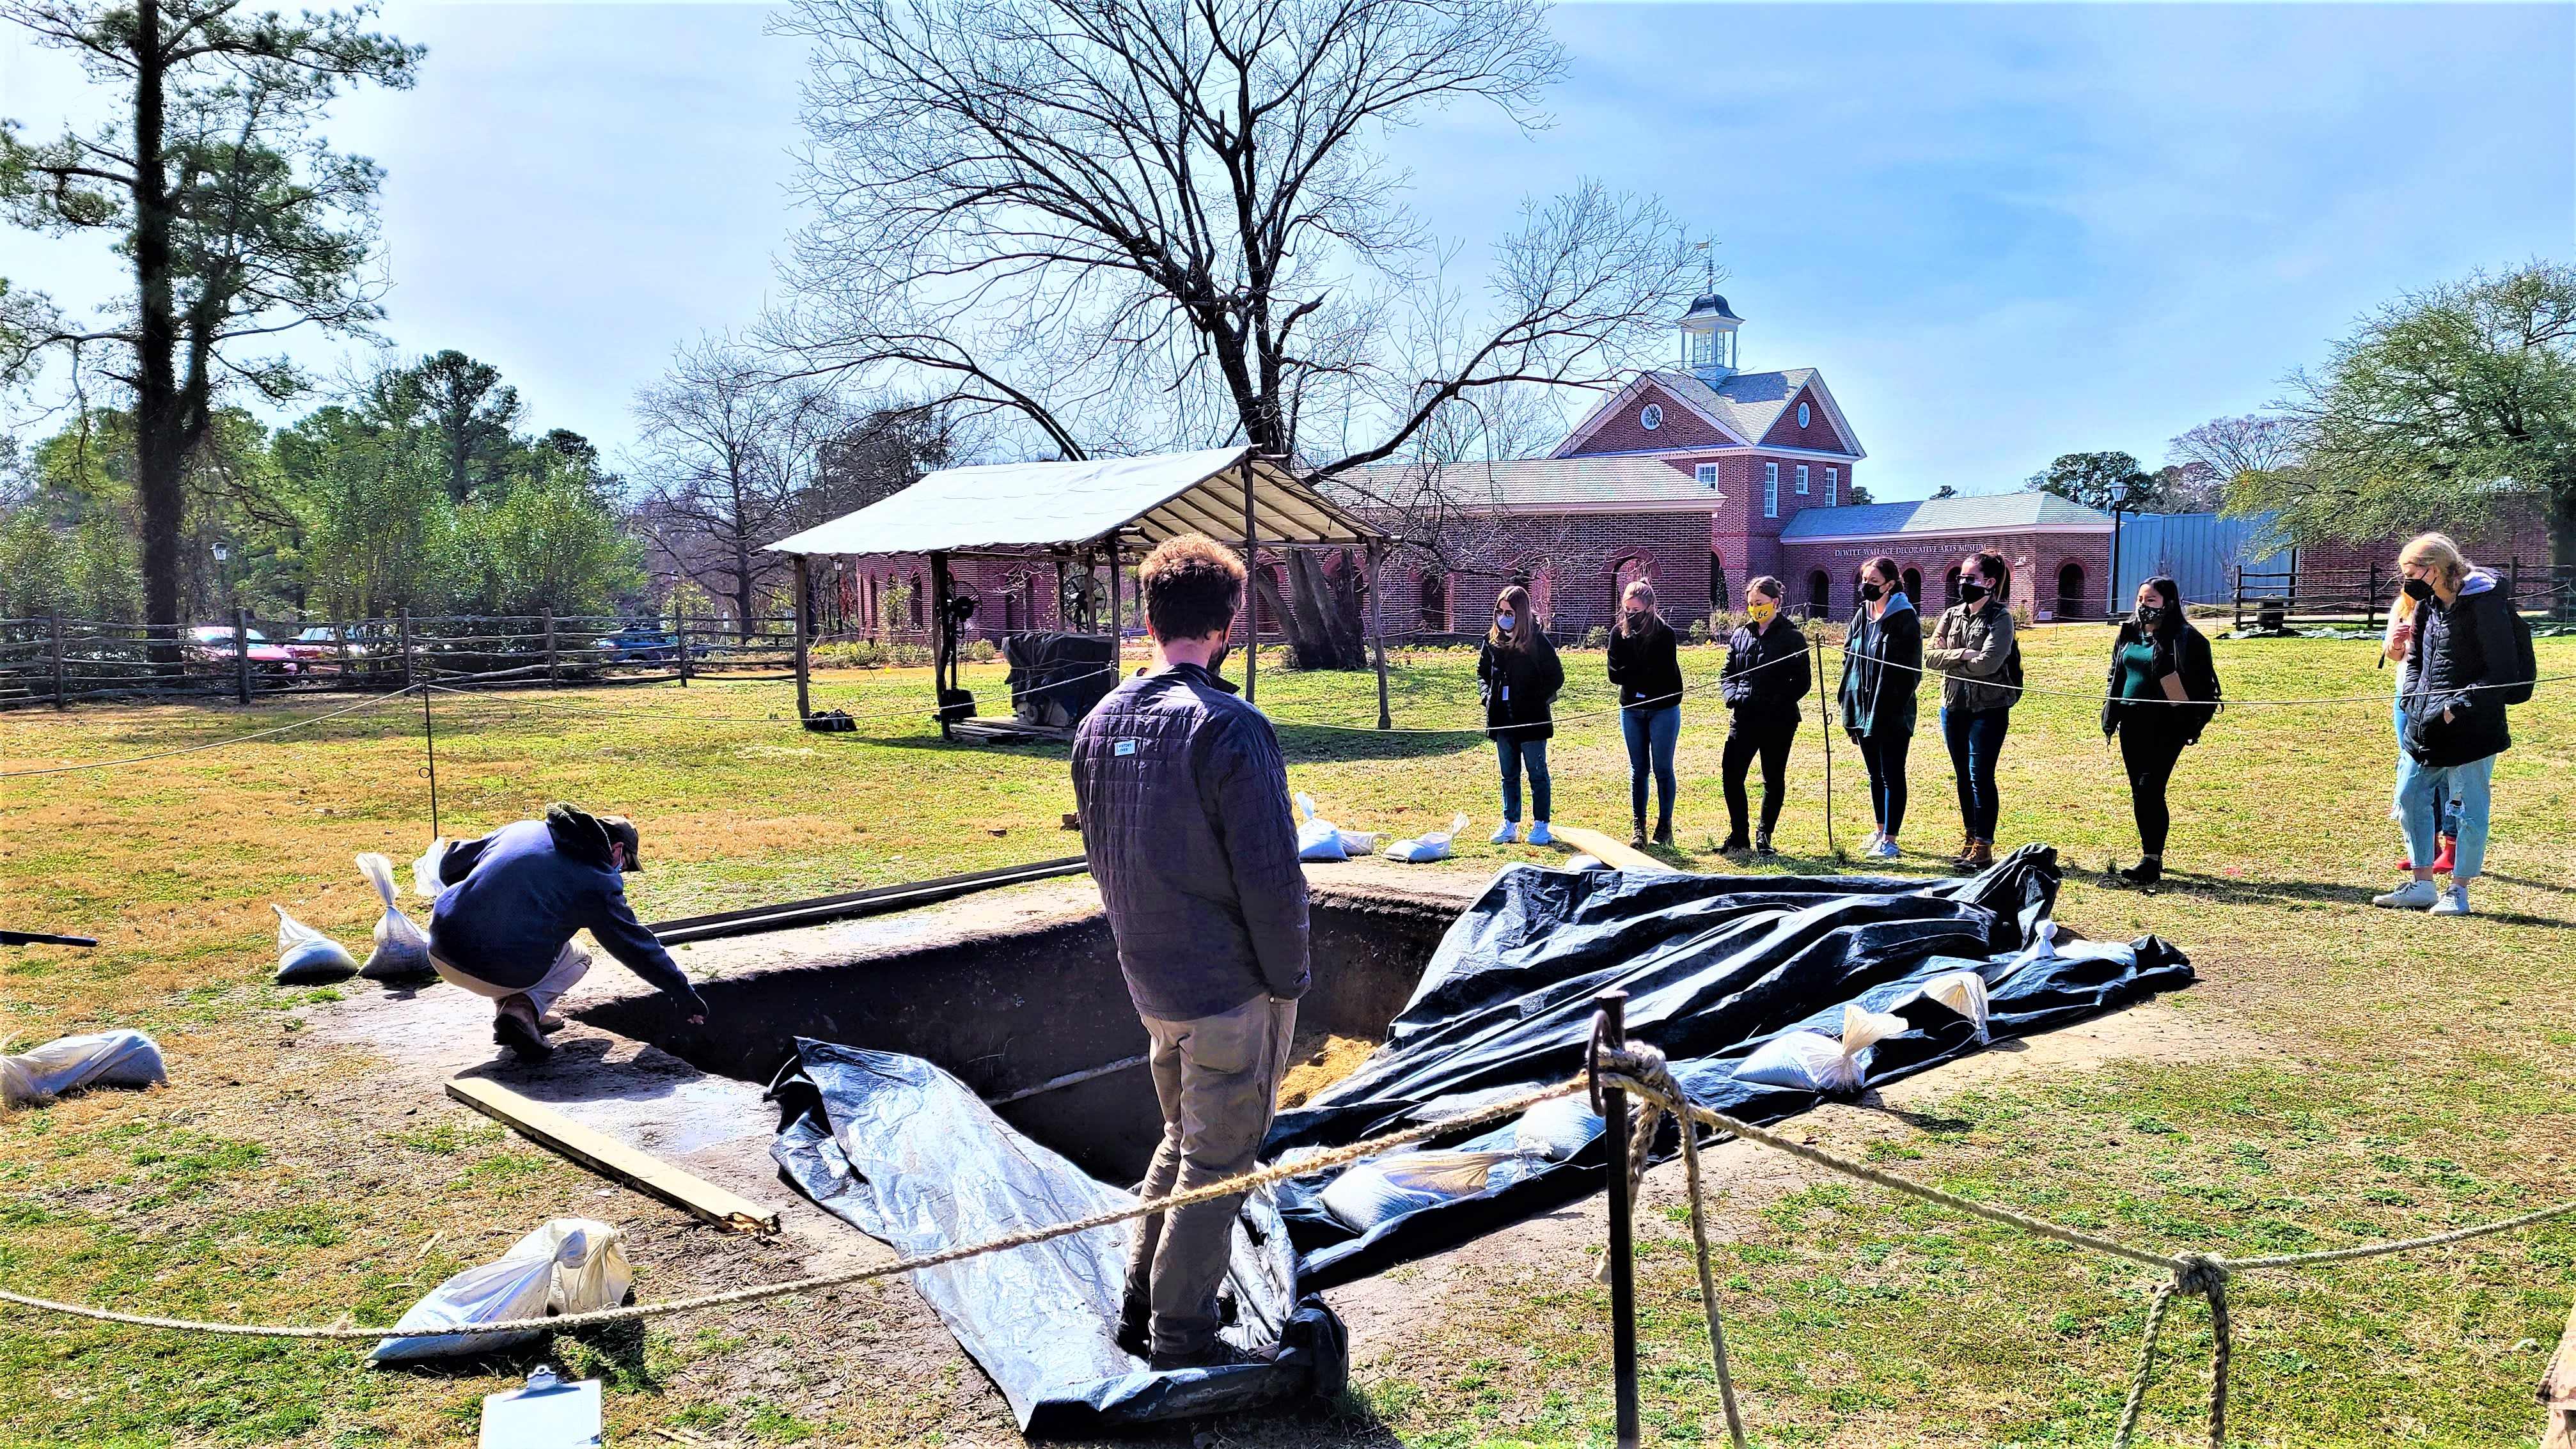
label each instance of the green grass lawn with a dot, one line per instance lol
(2413, 1073)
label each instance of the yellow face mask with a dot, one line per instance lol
(1761, 610)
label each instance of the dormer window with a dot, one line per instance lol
(1651, 416)
(1802, 415)
(1707, 475)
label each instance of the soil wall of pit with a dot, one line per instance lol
(1010, 1009)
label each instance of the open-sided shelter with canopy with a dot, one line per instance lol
(1111, 507)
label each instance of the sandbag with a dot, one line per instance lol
(571, 1265)
(1963, 992)
(424, 871)
(1385, 1188)
(1317, 839)
(1556, 1129)
(1814, 1062)
(306, 955)
(1430, 847)
(121, 1058)
(402, 948)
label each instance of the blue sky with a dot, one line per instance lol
(2004, 232)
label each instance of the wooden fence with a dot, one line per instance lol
(65, 661)
(2272, 597)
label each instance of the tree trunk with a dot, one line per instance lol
(2562, 552)
(160, 419)
(1319, 612)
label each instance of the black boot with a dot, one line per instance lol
(1762, 841)
(1638, 837)
(1135, 1328)
(1735, 842)
(2148, 870)
(1664, 828)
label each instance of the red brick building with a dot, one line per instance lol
(1702, 478)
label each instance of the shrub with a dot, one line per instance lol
(983, 651)
(1699, 631)
(1596, 637)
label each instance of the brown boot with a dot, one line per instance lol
(1967, 847)
(1637, 836)
(1981, 853)
(514, 1025)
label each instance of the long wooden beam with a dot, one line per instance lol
(1606, 850)
(606, 1155)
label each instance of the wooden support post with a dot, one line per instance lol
(340, 648)
(1251, 591)
(60, 697)
(1613, 1007)
(554, 670)
(402, 642)
(1377, 628)
(680, 637)
(1117, 611)
(943, 642)
(241, 653)
(804, 708)
(2240, 597)
(606, 1155)
(2370, 597)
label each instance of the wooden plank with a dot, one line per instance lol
(611, 1158)
(2558, 1391)
(1610, 852)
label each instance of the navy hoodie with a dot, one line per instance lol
(515, 897)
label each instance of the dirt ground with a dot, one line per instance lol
(387, 1054)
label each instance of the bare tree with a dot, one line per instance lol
(1161, 225)
(729, 451)
(2254, 443)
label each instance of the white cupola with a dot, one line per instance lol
(1708, 339)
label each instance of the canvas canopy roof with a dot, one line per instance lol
(1147, 500)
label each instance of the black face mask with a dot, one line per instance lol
(1872, 592)
(2150, 615)
(2418, 590)
(1972, 591)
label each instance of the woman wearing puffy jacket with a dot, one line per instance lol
(2463, 652)
(1518, 673)
(1766, 675)
(1973, 648)
(2160, 694)
(1646, 665)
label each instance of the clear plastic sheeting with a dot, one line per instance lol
(1716, 968)
(906, 1154)
(571, 1265)
(305, 955)
(121, 1058)
(402, 947)
(424, 871)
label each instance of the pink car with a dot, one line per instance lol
(213, 644)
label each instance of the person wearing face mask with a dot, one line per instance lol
(1646, 665)
(2159, 696)
(2397, 647)
(1766, 675)
(2464, 653)
(1882, 664)
(1518, 674)
(1974, 650)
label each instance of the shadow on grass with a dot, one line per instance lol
(2234, 889)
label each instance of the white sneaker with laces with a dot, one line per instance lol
(1510, 832)
(1539, 834)
(1870, 846)
(2454, 901)
(1884, 849)
(2415, 895)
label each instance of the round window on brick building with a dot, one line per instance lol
(2070, 591)
(1651, 416)
(1802, 415)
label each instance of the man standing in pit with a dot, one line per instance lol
(1184, 806)
(509, 904)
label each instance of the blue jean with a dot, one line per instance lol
(2446, 807)
(2466, 787)
(1975, 738)
(1516, 756)
(1651, 734)
(1885, 755)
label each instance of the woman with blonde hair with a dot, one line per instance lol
(1518, 674)
(2463, 652)
(1646, 665)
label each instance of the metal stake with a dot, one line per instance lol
(241, 653)
(1612, 1007)
(429, 733)
(1827, 720)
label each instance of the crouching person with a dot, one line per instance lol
(1184, 807)
(510, 903)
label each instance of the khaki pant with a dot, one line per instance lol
(570, 966)
(1218, 1081)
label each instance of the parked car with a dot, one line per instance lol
(214, 644)
(641, 644)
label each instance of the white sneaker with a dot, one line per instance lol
(2454, 901)
(1539, 834)
(1510, 832)
(1870, 846)
(1883, 849)
(2415, 895)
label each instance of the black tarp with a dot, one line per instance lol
(906, 1154)
(1057, 678)
(1714, 966)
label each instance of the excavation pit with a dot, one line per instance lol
(1033, 1017)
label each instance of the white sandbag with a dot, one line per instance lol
(1434, 846)
(1814, 1062)
(1317, 838)
(402, 948)
(1388, 1187)
(1963, 992)
(1585, 862)
(2043, 944)
(424, 871)
(1555, 1129)
(2118, 953)
(121, 1058)
(571, 1265)
(1359, 842)
(306, 955)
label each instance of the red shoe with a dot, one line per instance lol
(2444, 859)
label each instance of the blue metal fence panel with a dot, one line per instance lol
(2200, 551)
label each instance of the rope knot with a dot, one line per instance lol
(2200, 1275)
